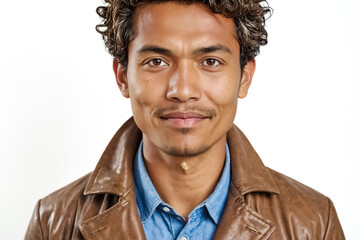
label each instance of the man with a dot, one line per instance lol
(180, 169)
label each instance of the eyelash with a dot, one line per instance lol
(217, 62)
(150, 62)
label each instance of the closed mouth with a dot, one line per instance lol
(183, 115)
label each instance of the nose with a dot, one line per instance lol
(184, 83)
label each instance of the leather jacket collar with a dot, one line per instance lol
(113, 175)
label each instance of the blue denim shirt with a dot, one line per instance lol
(159, 219)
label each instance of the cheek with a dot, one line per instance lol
(145, 91)
(223, 90)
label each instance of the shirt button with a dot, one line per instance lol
(166, 209)
(184, 238)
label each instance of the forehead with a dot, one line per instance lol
(183, 24)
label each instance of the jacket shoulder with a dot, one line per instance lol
(67, 194)
(71, 191)
(58, 211)
(58, 215)
(297, 199)
(296, 191)
(297, 208)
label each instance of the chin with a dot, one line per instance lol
(184, 151)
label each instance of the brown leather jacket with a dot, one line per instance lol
(262, 203)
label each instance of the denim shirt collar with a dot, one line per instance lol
(147, 198)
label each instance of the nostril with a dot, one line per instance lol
(176, 99)
(184, 94)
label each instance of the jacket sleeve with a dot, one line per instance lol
(34, 231)
(333, 230)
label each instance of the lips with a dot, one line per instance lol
(183, 120)
(183, 115)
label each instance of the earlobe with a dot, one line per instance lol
(247, 75)
(121, 80)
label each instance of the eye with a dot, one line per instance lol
(211, 62)
(156, 62)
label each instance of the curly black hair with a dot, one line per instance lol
(249, 17)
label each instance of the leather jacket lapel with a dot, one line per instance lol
(248, 174)
(113, 175)
(239, 221)
(119, 222)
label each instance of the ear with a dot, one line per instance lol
(121, 80)
(246, 79)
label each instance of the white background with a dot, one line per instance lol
(60, 106)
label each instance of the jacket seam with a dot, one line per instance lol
(112, 210)
(261, 220)
(75, 218)
(85, 232)
(39, 220)
(328, 218)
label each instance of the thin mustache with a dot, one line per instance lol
(208, 112)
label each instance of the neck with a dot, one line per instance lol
(181, 181)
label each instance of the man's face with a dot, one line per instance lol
(183, 77)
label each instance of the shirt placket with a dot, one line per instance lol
(191, 225)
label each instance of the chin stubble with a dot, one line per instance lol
(184, 152)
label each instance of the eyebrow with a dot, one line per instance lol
(211, 49)
(154, 49)
(196, 52)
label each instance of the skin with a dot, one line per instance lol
(183, 80)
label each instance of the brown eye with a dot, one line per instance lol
(156, 62)
(210, 62)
